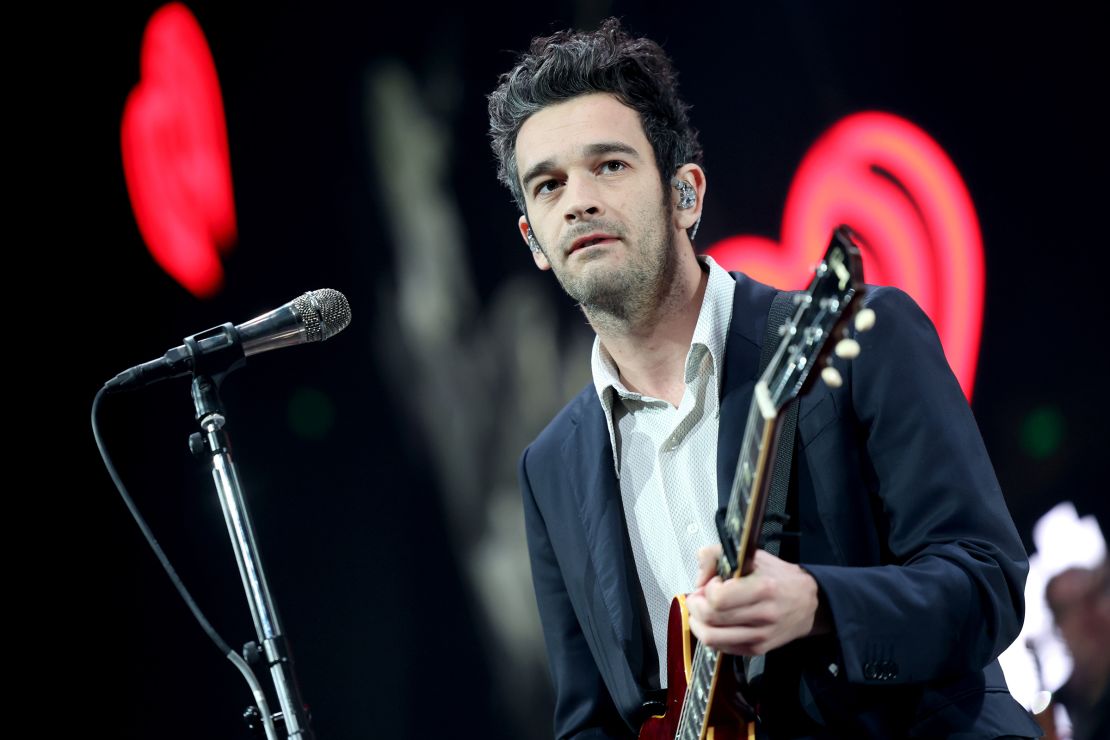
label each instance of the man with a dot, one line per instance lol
(884, 616)
(1080, 602)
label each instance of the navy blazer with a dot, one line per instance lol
(923, 570)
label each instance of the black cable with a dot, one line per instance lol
(158, 552)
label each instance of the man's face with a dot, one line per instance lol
(595, 202)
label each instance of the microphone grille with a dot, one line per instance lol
(325, 313)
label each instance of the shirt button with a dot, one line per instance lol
(691, 528)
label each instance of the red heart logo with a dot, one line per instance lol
(893, 184)
(175, 153)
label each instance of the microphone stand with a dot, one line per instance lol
(213, 441)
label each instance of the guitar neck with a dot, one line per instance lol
(747, 499)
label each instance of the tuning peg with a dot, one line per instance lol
(832, 377)
(865, 319)
(847, 348)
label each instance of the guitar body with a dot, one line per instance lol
(726, 720)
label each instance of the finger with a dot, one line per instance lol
(764, 559)
(753, 615)
(731, 640)
(695, 604)
(717, 612)
(695, 600)
(735, 592)
(707, 563)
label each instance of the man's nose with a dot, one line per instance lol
(583, 200)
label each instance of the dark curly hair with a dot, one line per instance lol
(568, 64)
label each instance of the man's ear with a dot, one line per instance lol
(691, 178)
(533, 244)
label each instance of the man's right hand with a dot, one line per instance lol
(777, 603)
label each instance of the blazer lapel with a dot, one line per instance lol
(588, 450)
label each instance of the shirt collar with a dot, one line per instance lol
(709, 335)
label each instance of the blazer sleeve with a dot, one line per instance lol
(948, 596)
(583, 706)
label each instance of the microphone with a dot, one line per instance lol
(313, 317)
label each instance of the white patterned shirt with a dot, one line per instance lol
(665, 459)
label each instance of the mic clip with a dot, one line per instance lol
(215, 352)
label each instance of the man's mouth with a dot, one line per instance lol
(590, 240)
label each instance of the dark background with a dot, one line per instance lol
(352, 524)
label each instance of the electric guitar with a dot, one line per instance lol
(704, 700)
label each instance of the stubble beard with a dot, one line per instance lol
(621, 299)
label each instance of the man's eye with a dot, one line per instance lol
(546, 187)
(613, 165)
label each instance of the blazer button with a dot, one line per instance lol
(870, 671)
(885, 670)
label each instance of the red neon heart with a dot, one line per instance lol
(175, 154)
(897, 188)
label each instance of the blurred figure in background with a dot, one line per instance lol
(1080, 602)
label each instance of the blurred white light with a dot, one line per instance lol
(1063, 541)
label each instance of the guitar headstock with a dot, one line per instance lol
(818, 327)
